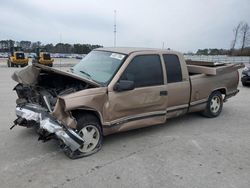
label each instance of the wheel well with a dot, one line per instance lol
(75, 113)
(222, 90)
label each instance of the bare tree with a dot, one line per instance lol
(245, 35)
(236, 33)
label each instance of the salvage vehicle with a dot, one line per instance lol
(118, 89)
(43, 57)
(245, 76)
(17, 57)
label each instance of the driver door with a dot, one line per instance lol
(145, 104)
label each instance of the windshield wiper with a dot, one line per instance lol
(87, 74)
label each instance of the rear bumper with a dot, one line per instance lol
(231, 94)
(36, 115)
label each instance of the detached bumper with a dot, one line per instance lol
(46, 123)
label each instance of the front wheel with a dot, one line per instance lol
(89, 129)
(214, 105)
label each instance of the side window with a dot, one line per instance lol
(144, 70)
(173, 68)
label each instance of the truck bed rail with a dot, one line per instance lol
(212, 68)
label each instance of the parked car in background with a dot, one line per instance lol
(31, 55)
(78, 56)
(4, 55)
(245, 76)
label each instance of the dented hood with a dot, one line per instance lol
(30, 74)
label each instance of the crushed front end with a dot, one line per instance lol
(31, 115)
(38, 92)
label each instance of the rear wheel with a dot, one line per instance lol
(214, 105)
(11, 64)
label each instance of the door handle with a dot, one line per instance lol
(163, 93)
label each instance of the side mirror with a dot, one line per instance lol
(124, 85)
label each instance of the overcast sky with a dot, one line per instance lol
(184, 25)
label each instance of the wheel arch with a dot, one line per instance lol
(223, 90)
(88, 111)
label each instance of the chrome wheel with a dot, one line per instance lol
(91, 136)
(215, 104)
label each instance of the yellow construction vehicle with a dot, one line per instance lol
(17, 57)
(43, 57)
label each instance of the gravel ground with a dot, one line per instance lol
(189, 151)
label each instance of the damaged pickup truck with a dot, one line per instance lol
(118, 89)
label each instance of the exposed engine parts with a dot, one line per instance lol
(48, 88)
(36, 101)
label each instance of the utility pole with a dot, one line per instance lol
(163, 45)
(114, 28)
(60, 50)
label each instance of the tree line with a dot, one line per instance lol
(29, 47)
(240, 45)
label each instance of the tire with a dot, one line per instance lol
(24, 65)
(214, 105)
(89, 128)
(8, 63)
(244, 83)
(11, 64)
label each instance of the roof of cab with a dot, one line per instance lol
(129, 50)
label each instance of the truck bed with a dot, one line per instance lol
(211, 68)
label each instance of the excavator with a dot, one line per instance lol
(17, 58)
(43, 57)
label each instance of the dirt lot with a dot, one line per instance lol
(191, 151)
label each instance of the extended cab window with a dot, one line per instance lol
(144, 70)
(173, 68)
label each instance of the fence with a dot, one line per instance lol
(219, 58)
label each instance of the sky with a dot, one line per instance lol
(183, 25)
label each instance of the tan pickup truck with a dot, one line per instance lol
(118, 89)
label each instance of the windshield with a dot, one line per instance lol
(99, 66)
(20, 55)
(46, 56)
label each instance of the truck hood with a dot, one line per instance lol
(30, 74)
